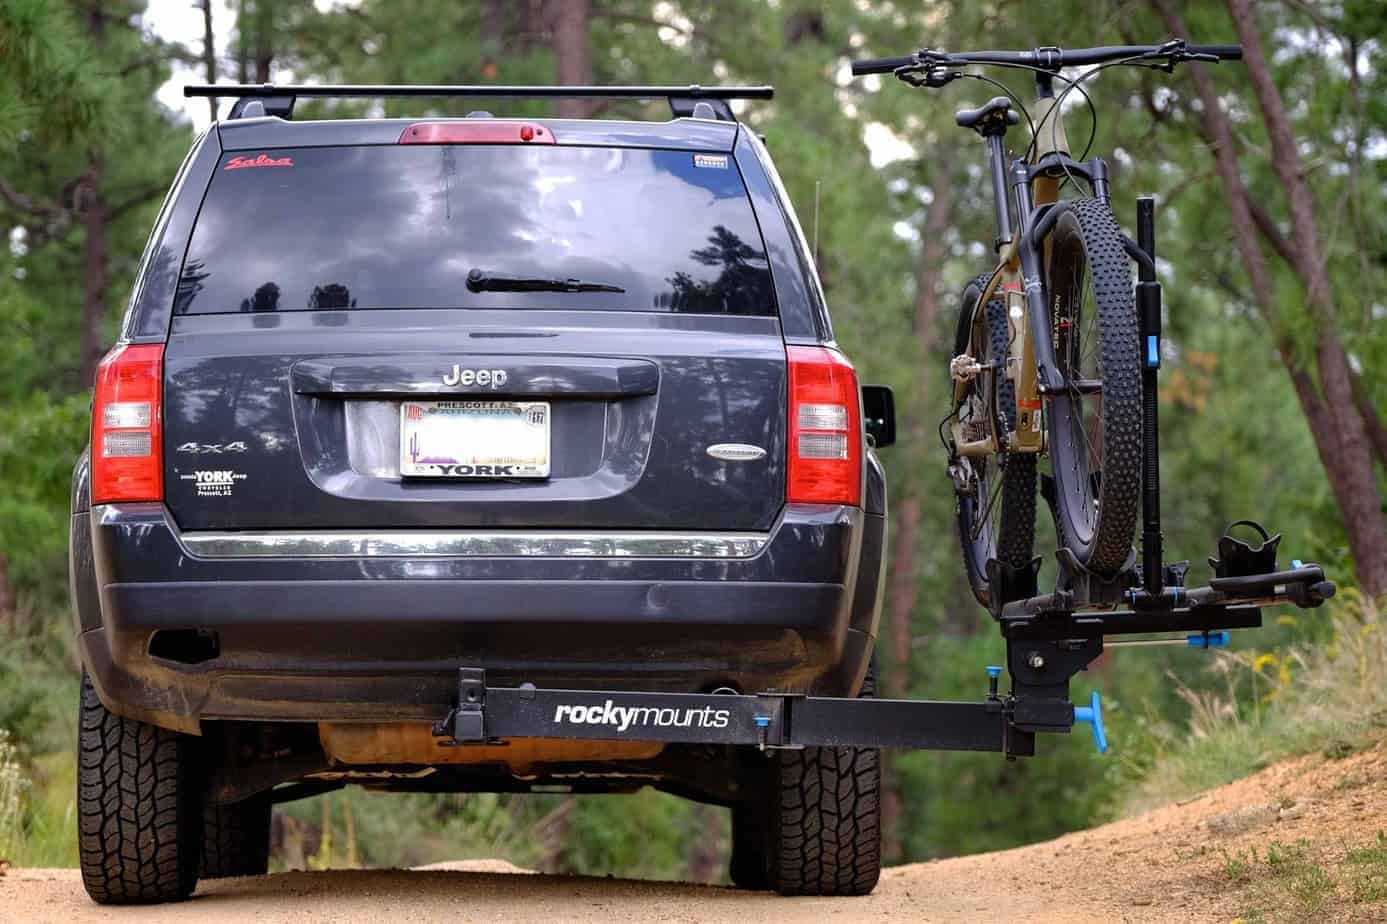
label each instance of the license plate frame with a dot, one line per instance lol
(435, 441)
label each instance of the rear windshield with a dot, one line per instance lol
(403, 226)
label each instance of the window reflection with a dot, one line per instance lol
(400, 227)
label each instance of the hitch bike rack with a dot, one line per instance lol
(1049, 638)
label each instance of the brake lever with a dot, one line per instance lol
(934, 77)
(1184, 56)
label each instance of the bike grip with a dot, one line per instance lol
(1226, 52)
(880, 65)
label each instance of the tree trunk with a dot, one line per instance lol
(1377, 433)
(242, 44)
(705, 861)
(903, 591)
(1351, 476)
(209, 53)
(552, 833)
(6, 598)
(493, 36)
(93, 210)
(572, 54)
(264, 39)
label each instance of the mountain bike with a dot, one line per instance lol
(1049, 351)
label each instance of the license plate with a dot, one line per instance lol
(474, 439)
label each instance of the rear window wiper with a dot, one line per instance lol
(482, 281)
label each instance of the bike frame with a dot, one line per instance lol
(1034, 190)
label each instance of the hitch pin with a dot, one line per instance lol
(1195, 640)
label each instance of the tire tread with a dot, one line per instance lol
(137, 818)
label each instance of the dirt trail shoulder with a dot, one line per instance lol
(1298, 840)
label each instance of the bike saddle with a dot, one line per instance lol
(991, 118)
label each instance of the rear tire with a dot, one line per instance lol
(995, 521)
(817, 828)
(139, 799)
(236, 838)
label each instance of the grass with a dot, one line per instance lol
(1305, 882)
(1328, 699)
(38, 818)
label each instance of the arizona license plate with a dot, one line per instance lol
(474, 439)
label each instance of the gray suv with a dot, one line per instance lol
(554, 398)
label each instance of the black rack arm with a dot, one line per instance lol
(1148, 296)
(278, 99)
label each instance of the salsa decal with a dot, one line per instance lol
(259, 160)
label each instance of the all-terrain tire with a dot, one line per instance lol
(825, 833)
(1087, 244)
(236, 838)
(139, 800)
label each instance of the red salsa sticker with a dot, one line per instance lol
(259, 160)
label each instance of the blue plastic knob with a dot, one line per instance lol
(762, 721)
(1212, 640)
(993, 670)
(1093, 715)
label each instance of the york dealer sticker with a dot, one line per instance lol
(214, 482)
(715, 161)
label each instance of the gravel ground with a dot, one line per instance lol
(1170, 864)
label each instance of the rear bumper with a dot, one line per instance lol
(378, 635)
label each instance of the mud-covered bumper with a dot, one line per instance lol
(372, 631)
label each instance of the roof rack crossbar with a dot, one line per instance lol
(681, 98)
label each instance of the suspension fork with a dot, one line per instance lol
(1029, 251)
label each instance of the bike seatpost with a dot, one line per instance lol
(997, 159)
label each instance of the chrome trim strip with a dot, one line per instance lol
(464, 543)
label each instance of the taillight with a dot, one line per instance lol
(127, 425)
(825, 428)
(476, 133)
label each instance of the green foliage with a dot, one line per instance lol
(40, 437)
(48, 86)
(646, 835)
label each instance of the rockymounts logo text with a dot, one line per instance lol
(624, 717)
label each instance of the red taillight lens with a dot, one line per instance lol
(825, 428)
(127, 425)
(476, 133)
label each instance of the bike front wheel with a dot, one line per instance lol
(1095, 423)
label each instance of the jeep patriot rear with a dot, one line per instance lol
(554, 398)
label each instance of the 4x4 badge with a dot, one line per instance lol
(212, 448)
(736, 452)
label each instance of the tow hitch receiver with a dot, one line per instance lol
(1046, 647)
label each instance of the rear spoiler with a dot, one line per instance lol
(278, 100)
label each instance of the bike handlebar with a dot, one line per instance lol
(1050, 59)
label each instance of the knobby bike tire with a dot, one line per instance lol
(1015, 534)
(1095, 507)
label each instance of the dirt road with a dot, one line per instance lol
(1295, 842)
